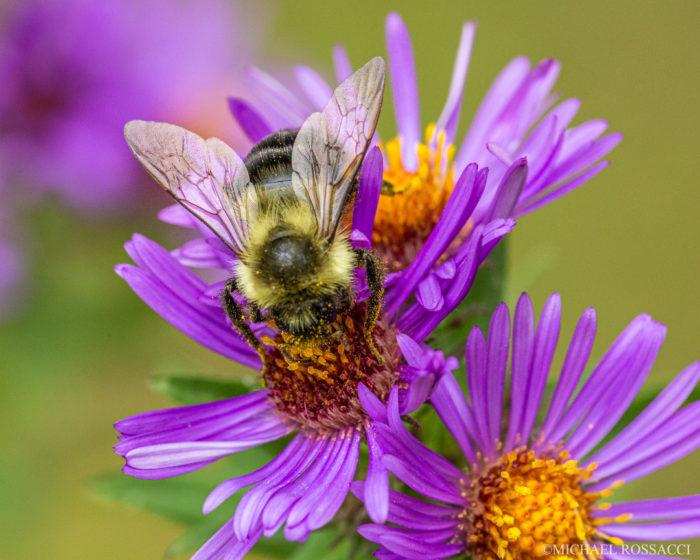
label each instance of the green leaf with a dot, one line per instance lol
(476, 309)
(176, 499)
(324, 543)
(192, 389)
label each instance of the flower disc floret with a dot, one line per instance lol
(315, 386)
(525, 504)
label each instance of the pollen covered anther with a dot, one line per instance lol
(526, 505)
(412, 201)
(315, 385)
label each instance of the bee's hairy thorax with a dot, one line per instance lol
(289, 269)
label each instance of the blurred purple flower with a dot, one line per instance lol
(522, 488)
(317, 399)
(11, 260)
(74, 71)
(525, 140)
(11, 274)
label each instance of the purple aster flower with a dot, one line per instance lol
(309, 391)
(523, 486)
(74, 71)
(518, 133)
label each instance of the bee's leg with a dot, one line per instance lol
(375, 279)
(340, 335)
(290, 359)
(235, 313)
(255, 314)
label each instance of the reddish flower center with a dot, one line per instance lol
(316, 385)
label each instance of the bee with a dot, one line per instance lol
(285, 211)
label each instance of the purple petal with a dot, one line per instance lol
(674, 439)
(543, 352)
(497, 361)
(498, 95)
(613, 361)
(456, 213)
(620, 393)
(177, 216)
(341, 63)
(404, 88)
(449, 118)
(184, 415)
(168, 455)
(214, 548)
(651, 510)
(281, 501)
(663, 406)
(251, 507)
(521, 357)
(376, 488)
(198, 253)
(416, 514)
(562, 190)
(429, 294)
(411, 544)
(369, 189)
(201, 323)
(451, 406)
(421, 482)
(314, 86)
(253, 123)
(436, 462)
(476, 378)
(338, 485)
(295, 450)
(276, 102)
(508, 191)
(574, 363)
(665, 531)
(413, 353)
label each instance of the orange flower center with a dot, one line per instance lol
(411, 201)
(528, 507)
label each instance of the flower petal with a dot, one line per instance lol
(404, 88)
(253, 123)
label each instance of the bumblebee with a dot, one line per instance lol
(284, 211)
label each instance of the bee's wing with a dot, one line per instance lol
(330, 146)
(205, 176)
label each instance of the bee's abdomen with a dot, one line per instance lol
(269, 162)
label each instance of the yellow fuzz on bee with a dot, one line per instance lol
(335, 271)
(412, 201)
(522, 507)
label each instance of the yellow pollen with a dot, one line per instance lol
(522, 507)
(314, 383)
(412, 201)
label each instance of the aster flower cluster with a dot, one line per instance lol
(533, 473)
(524, 490)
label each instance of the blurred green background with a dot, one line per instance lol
(78, 356)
